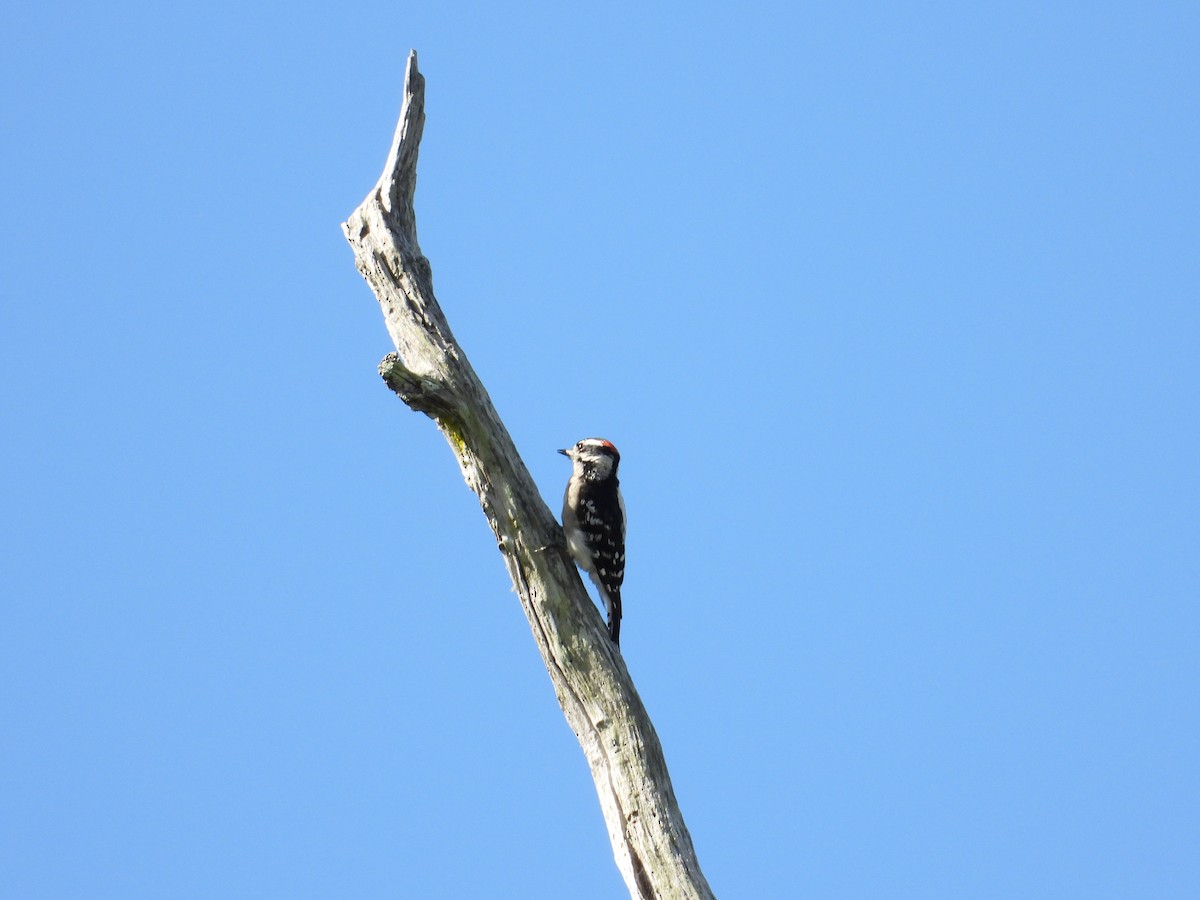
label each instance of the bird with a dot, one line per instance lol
(593, 519)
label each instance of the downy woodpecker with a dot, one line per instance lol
(594, 522)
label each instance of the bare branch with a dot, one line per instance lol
(431, 374)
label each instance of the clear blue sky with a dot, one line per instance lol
(893, 310)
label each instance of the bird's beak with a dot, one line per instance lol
(565, 452)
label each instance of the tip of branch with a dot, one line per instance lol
(399, 176)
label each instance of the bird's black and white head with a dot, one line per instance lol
(595, 459)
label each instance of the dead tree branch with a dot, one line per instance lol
(431, 374)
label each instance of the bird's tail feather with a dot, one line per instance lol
(614, 619)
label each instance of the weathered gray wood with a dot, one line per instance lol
(431, 374)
